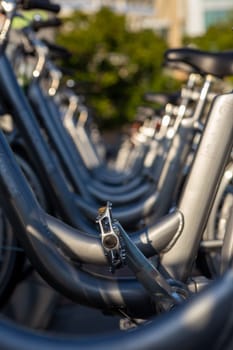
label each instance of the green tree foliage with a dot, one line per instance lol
(119, 65)
(218, 37)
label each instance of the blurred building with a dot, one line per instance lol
(200, 14)
(171, 18)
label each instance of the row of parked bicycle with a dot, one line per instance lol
(146, 236)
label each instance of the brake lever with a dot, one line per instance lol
(120, 250)
(110, 238)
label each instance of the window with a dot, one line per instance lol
(214, 16)
(142, 7)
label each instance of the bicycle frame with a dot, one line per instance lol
(198, 196)
(57, 251)
(23, 209)
(39, 152)
(65, 201)
(202, 185)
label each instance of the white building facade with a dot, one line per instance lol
(203, 13)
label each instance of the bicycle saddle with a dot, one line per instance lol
(178, 65)
(219, 64)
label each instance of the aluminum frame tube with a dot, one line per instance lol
(125, 187)
(225, 181)
(70, 167)
(39, 152)
(117, 198)
(172, 169)
(65, 201)
(189, 326)
(202, 185)
(227, 247)
(127, 214)
(98, 189)
(50, 256)
(15, 101)
(57, 117)
(42, 112)
(46, 252)
(71, 158)
(88, 250)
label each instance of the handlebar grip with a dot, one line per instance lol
(49, 23)
(41, 5)
(57, 51)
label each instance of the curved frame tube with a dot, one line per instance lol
(189, 326)
(49, 253)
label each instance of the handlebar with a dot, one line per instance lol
(49, 23)
(57, 51)
(40, 5)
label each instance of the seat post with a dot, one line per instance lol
(208, 81)
(192, 79)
